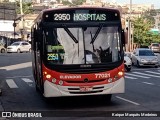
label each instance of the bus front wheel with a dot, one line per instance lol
(107, 98)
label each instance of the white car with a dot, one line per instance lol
(18, 47)
(144, 57)
(127, 63)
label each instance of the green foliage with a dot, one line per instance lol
(78, 2)
(142, 35)
(27, 7)
(149, 15)
(64, 2)
(6, 1)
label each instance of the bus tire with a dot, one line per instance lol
(138, 64)
(29, 50)
(36, 86)
(156, 66)
(18, 51)
(2, 50)
(107, 98)
(128, 69)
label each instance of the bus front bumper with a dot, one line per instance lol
(53, 90)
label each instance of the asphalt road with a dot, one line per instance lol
(19, 94)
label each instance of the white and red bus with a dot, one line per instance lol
(78, 51)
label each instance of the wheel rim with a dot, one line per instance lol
(18, 51)
(2, 51)
(137, 64)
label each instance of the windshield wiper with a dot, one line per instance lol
(70, 34)
(96, 34)
(91, 39)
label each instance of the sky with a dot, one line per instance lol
(155, 2)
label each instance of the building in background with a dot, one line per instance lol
(157, 21)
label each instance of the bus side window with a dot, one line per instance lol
(124, 37)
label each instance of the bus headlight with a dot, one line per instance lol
(60, 82)
(48, 76)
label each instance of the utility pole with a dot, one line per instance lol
(14, 23)
(129, 28)
(22, 24)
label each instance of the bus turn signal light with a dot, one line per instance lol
(120, 73)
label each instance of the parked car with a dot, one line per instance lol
(18, 47)
(144, 57)
(2, 48)
(127, 63)
(155, 47)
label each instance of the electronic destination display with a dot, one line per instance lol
(80, 15)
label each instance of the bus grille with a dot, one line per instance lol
(86, 92)
(90, 81)
(77, 90)
(94, 88)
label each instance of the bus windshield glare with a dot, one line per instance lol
(82, 45)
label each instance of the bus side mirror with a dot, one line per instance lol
(124, 37)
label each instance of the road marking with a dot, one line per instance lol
(20, 76)
(148, 83)
(137, 75)
(153, 72)
(130, 77)
(17, 66)
(27, 80)
(146, 74)
(11, 83)
(127, 100)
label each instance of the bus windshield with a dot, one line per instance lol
(82, 45)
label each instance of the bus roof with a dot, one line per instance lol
(39, 17)
(81, 7)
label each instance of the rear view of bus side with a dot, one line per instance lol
(78, 51)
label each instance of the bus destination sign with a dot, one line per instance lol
(81, 15)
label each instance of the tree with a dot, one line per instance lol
(142, 34)
(6, 1)
(27, 7)
(78, 2)
(64, 2)
(141, 31)
(149, 15)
